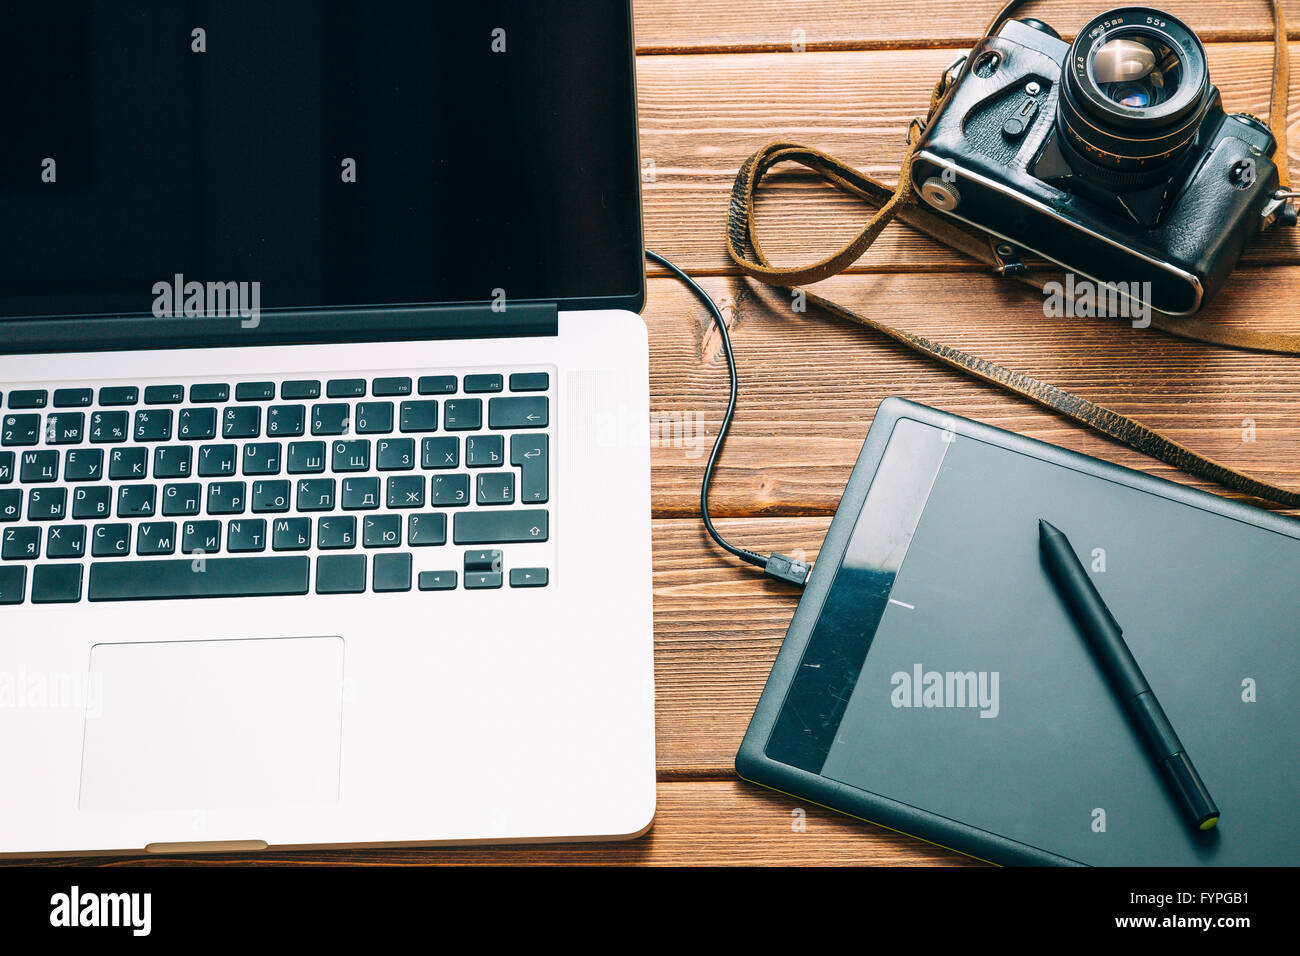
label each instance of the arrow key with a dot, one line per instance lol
(529, 577)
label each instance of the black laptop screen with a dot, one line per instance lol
(333, 153)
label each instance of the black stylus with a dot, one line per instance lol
(1106, 639)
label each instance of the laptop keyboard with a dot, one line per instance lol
(276, 487)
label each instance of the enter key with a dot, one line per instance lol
(530, 454)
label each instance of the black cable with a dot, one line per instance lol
(779, 566)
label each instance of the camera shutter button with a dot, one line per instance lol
(940, 194)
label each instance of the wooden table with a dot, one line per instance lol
(717, 79)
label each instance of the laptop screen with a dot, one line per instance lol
(334, 153)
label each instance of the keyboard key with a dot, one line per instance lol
(485, 451)
(418, 416)
(483, 561)
(330, 419)
(306, 457)
(496, 488)
(20, 430)
(221, 577)
(108, 427)
(119, 395)
(227, 497)
(164, 394)
(38, 466)
(66, 541)
(73, 397)
(381, 531)
(29, 398)
(245, 535)
(291, 534)
(13, 584)
(255, 391)
(21, 544)
(341, 573)
(286, 421)
(242, 422)
(437, 385)
(392, 572)
(335, 532)
(201, 537)
(47, 504)
(172, 461)
(437, 580)
(197, 424)
(483, 383)
(529, 411)
(270, 496)
(316, 494)
(11, 504)
(449, 491)
(395, 454)
(153, 424)
(262, 458)
(406, 491)
(110, 540)
(529, 453)
(440, 453)
(381, 387)
(346, 388)
(351, 455)
(212, 392)
(136, 501)
(7, 467)
(300, 389)
(483, 580)
(529, 577)
(155, 537)
(216, 461)
(529, 382)
(463, 414)
(500, 527)
(360, 494)
(179, 500)
(88, 503)
(128, 464)
(56, 584)
(65, 428)
(374, 418)
(423, 530)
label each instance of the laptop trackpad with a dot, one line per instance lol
(195, 725)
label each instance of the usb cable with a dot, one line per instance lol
(782, 567)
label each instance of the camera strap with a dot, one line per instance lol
(900, 202)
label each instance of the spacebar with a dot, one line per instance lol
(198, 578)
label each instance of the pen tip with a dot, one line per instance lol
(1044, 528)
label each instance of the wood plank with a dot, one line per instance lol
(718, 627)
(701, 116)
(715, 25)
(711, 823)
(810, 384)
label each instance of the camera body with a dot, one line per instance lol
(1144, 186)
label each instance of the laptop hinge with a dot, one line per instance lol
(306, 327)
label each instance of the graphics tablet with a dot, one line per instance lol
(933, 681)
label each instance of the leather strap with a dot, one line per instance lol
(900, 203)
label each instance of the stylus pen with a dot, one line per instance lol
(1106, 639)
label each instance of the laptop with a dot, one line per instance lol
(324, 469)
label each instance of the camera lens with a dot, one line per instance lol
(1135, 90)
